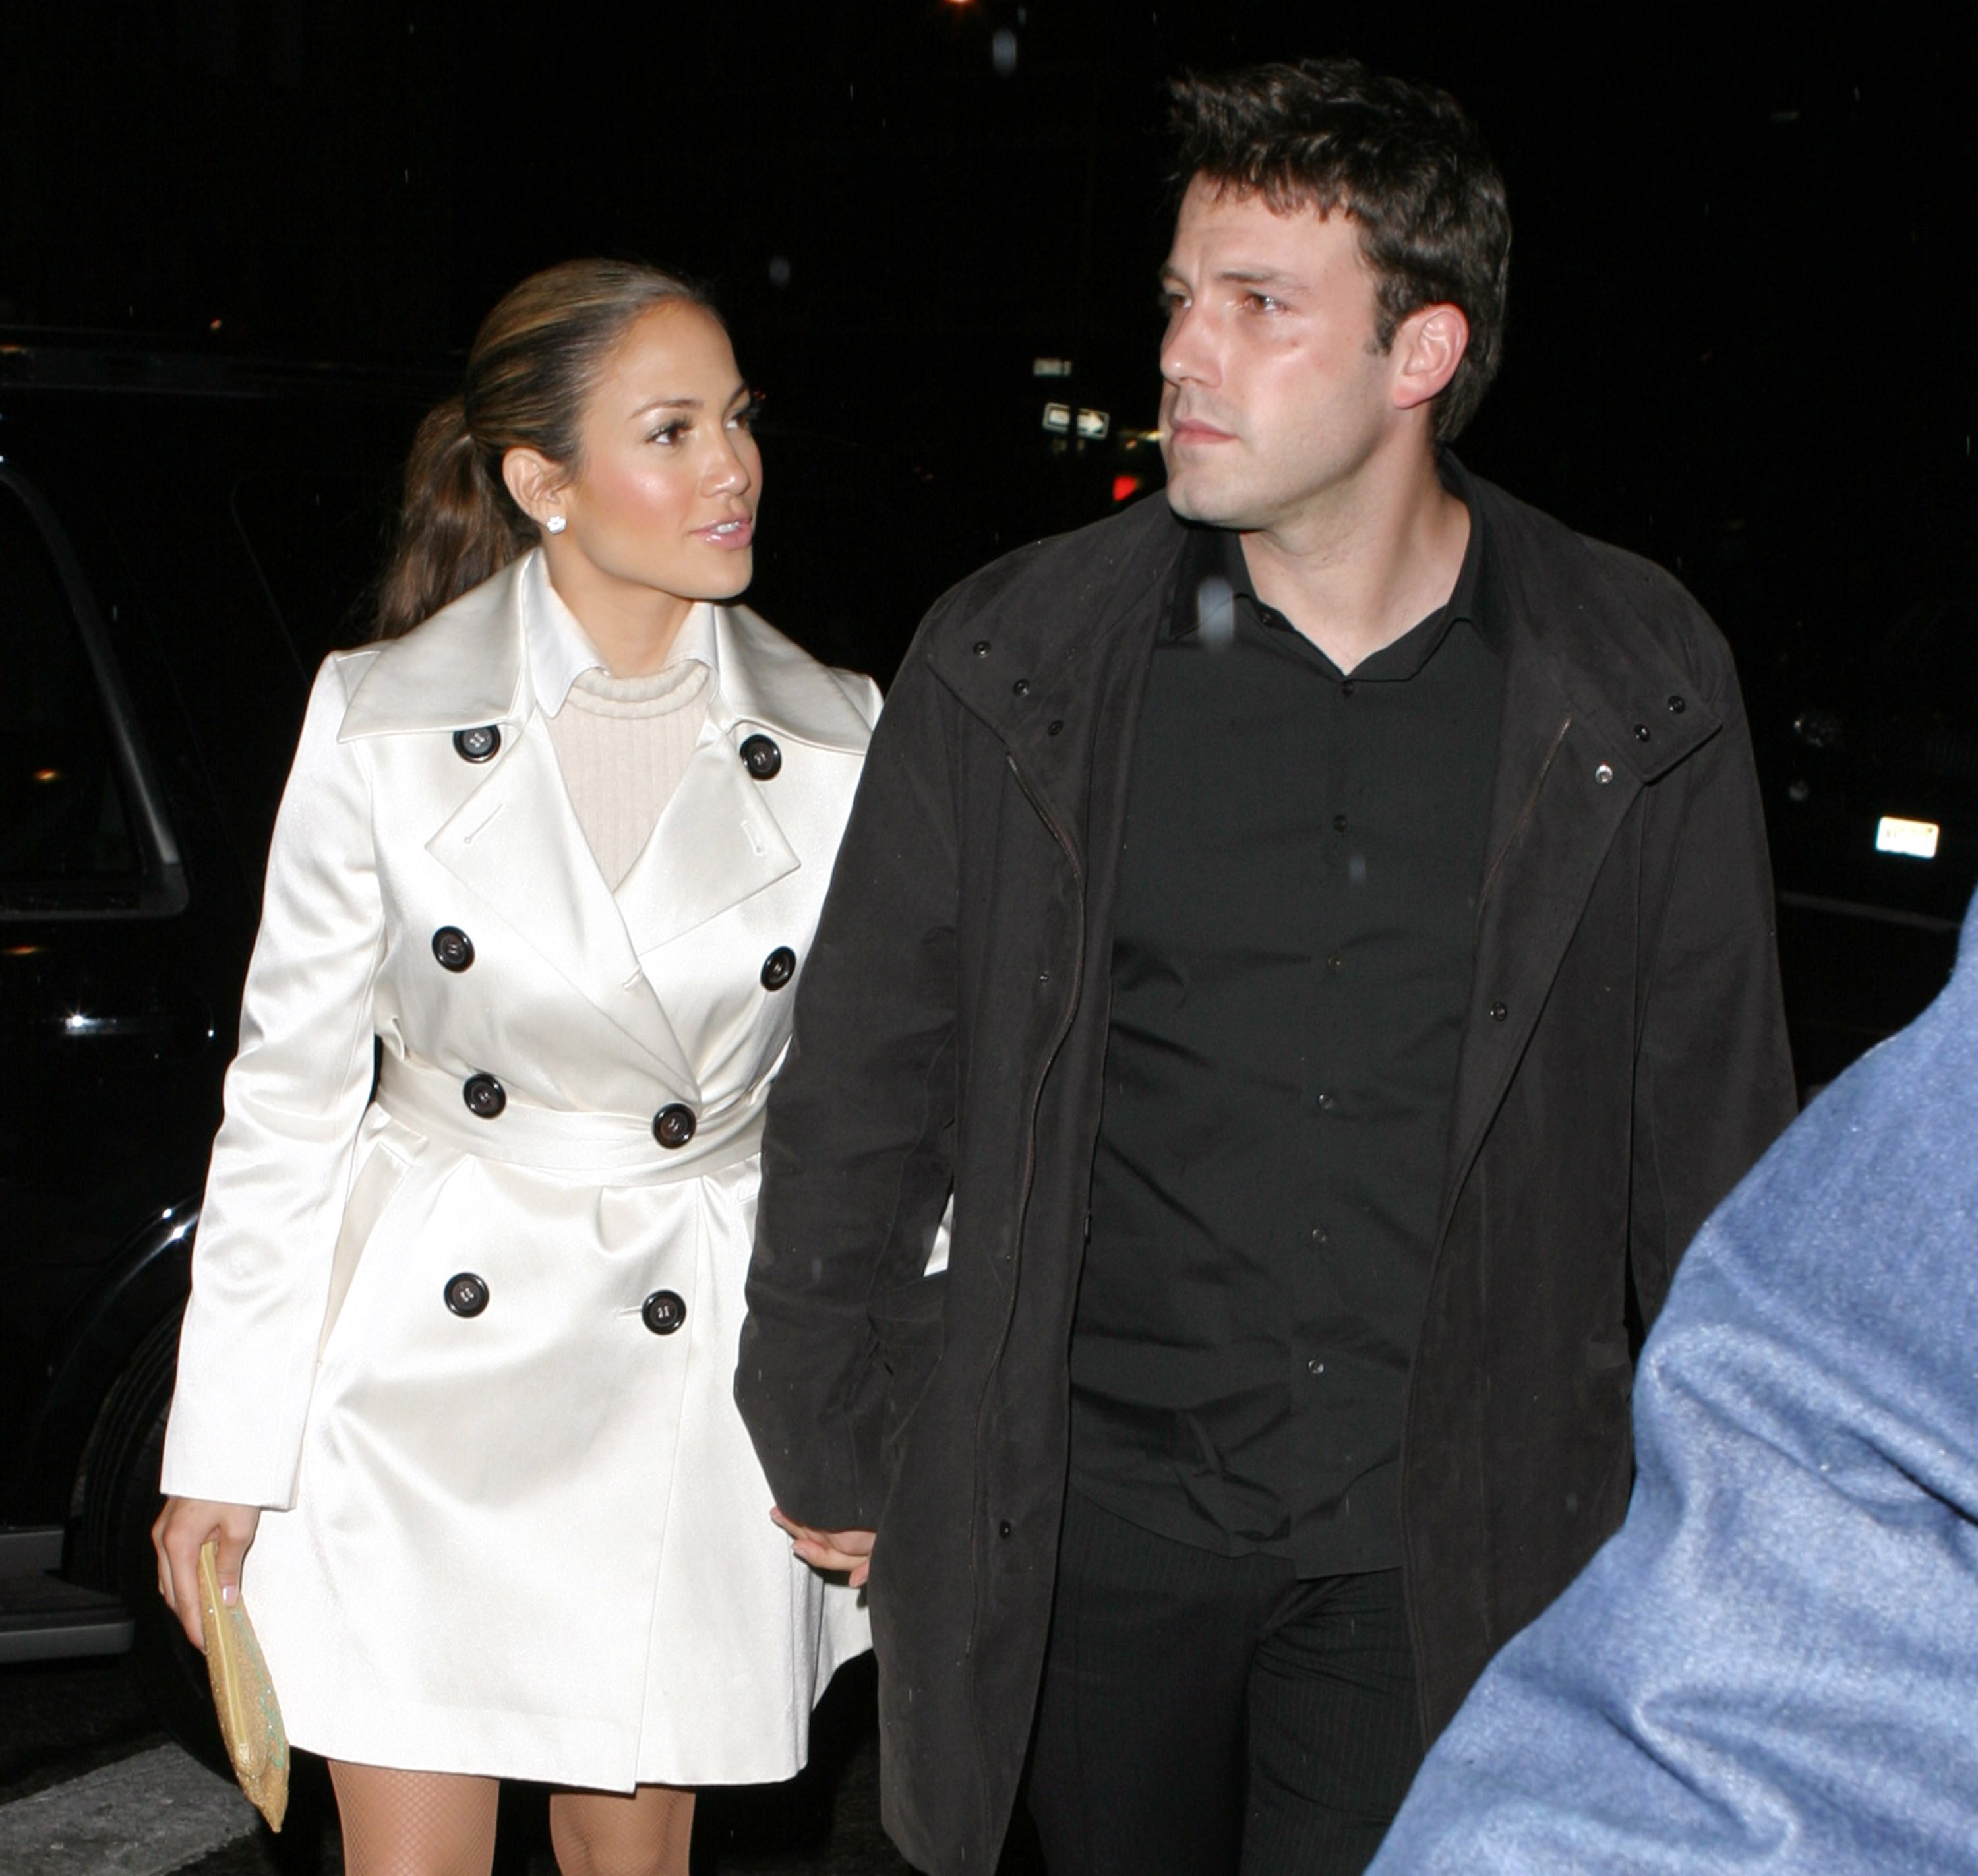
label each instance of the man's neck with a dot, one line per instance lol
(1366, 563)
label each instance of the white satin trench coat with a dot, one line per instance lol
(531, 1539)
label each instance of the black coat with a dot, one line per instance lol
(1623, 1062)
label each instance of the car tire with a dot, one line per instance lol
(121, 1501)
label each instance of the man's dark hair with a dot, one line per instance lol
(1401, 160)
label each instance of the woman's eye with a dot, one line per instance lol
(668, 434)
(745, 417)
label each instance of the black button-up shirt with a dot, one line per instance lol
(1290, 970)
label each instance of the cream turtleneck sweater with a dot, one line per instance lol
(623, 743)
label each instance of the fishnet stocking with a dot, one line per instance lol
(414, 1823)
(604, 1834)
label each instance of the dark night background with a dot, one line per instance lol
(1742, 303)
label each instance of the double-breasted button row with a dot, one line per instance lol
(662, 1312)
(477, 745)
(761, 757)
(453, 948)
(673, 1125)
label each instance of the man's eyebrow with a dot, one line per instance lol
(1258, 276)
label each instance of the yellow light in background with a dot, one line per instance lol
(1916, 838)
(48, 775)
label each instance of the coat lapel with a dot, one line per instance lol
(1579, 691)
(718, 841)
(515, 842)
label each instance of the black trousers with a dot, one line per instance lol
(1205, 1715)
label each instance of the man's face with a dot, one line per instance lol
(1275, 390)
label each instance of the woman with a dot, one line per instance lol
(458, 1361)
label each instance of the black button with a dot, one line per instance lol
(1052, 728)
(1005, 1528)
(664, 1311)
(1498, 1012)
(1339, 824)
(1641, 733)
(673, 1126)
(982, 648)
(1021, 686)
(466, 1294)
(484, 1095)
(1319, 1234)
(1335, 963)
(1328, 1102)
(778, 967)
(477, 745)
(1346, 689)
(761, 757)
(453, 948)
(1675, 706)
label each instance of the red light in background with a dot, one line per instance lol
(1125, 485)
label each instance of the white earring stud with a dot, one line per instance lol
(556, 523)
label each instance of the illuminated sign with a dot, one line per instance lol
(1916, 838)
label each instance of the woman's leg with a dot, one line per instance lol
(610, 1833)
(414, 1823)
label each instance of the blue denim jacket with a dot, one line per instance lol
(1773, 1664)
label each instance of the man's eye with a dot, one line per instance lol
(1263, 303)
(1170, 303)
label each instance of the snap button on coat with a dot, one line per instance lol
(778, 967)
(466, 1294)
(673, 1126)
(453, 948)
(761, 756)
(477, 745)
(664, 1311)
(485, 1097)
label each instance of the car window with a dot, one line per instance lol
(63, 816)
(318, 540)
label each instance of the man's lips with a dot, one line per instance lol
(1193, 430)
(738, 530)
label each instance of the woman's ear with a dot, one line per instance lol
(534, 481)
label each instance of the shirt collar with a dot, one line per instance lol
(560, 651)
(1215, 554)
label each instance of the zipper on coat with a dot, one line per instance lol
(1057, 1042)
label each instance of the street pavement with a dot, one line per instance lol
(88, 1787)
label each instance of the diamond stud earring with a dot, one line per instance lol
(556, 523)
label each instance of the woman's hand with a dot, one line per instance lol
(183, 1526)
(847, 1551)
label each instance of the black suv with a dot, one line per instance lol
(181, 540)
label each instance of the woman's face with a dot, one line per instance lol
(665, 491)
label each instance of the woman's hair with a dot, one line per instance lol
(530, 371)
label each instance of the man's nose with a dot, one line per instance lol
(1188, 353)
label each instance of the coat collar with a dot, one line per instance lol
(469, 664)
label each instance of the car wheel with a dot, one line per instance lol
(120, 1500)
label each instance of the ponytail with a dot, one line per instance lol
(457, 524)
(529, 374)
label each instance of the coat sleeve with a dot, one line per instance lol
(1713, 1072)
(857, 1157)
(281, 1165)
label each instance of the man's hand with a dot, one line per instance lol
(183, 1526)
(849, 1551)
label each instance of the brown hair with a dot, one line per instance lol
(531, 369)
(1402, 160)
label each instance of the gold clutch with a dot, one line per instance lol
(250, 1722)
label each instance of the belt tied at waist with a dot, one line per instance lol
(607, 1149)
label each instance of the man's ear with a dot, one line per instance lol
(1428, 347)
(533, 481)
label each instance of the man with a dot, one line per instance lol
(1317, 927)
(1770, 1667)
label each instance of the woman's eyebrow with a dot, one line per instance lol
(666, 403)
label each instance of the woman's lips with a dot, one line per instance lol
(737, 532)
